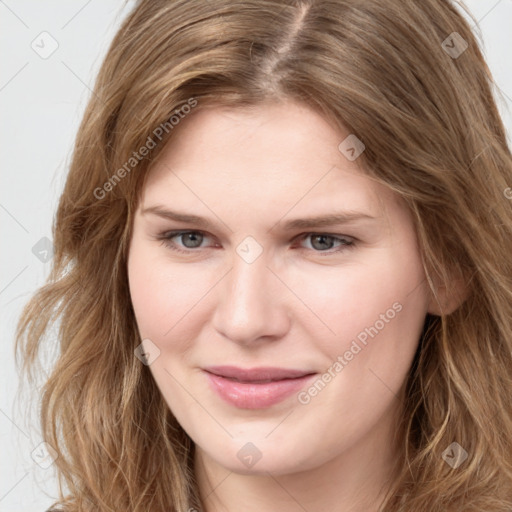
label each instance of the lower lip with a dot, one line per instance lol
(245, 395)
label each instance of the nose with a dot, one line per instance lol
(252, 303)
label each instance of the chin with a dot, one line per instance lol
(261, 458)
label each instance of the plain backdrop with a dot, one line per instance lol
(51, 52)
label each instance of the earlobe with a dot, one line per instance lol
(448, 297)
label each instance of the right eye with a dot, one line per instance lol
(193, 237)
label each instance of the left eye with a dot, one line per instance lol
(322, 239)
(192, 240)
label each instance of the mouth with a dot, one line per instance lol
(257, 375)
(256, 388)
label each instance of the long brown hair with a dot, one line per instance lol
(409, 80)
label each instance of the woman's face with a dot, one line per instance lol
(250, 286)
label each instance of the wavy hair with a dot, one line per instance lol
(391, 72)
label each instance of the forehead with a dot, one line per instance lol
(272, 129)
(274, 156)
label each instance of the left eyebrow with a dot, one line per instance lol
(337, 218)
(323, 221)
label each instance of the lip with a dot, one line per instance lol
(256, 388)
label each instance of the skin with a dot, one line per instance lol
(297, 305)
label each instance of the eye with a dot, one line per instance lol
(323, 242)
(320, 242)
(190, 239)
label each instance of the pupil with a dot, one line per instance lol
(322, 243)
(192, 236)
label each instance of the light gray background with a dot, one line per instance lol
(42, 101)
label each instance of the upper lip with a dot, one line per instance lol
(264, 373)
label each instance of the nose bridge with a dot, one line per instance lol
(248, 286)
(248, 306)
(249, 278)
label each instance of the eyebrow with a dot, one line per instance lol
(304, 223)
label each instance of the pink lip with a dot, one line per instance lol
(248, 391)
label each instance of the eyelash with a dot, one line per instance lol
(347, 243)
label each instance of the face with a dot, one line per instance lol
(251, 286)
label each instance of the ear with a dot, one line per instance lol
(449, 296)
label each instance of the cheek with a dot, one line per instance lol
(375, 310)
(165, 295)
(377, 316)
(352, 298)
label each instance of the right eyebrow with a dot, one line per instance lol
(179, 216)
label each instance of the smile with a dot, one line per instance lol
(256, 393)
